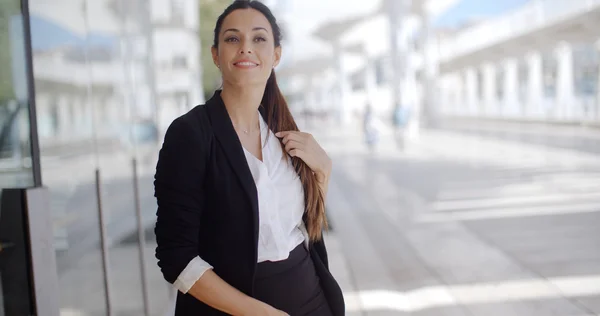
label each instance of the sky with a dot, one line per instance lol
(466, 9)
(47, 35)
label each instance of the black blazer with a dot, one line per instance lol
(208, 206)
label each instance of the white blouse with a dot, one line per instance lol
(280, 205)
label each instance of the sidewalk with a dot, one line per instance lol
(464, 225)
(431, 231)
(582, 138)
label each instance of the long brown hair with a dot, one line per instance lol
(279, 118)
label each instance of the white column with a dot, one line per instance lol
(471, 100)
(430, 96)
(449, 106)
(64, 120)
(511, 88)
(395, 14)
(408, 94)
(535, 85)
(342, 107)
(305, 96)
(322, 94)
(596, 111)
(459, 104)
(307, 103)
(564, 83)
(489, 90)
(369, 78)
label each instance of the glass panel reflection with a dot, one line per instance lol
(66, 57)
(110, 77)
(15, 160)
(15, 150)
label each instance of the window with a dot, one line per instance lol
(180, 62)
(500, 83)
(550, 72)
(523, 75)
(586, 64)
(479, 75)
(177, 12)
(382, 71)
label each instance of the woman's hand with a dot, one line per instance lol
(305, 147)
(274, 312)
(262, 309)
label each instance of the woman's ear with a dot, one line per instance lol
(215, 56)
(277, 56)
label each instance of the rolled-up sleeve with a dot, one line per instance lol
(192, 272)
(180, 172)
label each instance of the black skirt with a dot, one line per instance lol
(291, 285)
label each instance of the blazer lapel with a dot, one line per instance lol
(230, 142)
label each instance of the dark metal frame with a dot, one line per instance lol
(31, 264)
(33, 131)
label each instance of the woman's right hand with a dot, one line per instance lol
(275, 312)
(263, 309)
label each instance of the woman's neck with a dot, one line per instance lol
(242, 105)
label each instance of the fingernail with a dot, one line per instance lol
(278, 134)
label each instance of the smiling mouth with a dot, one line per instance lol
(245, 64)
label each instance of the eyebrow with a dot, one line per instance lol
(254, 29)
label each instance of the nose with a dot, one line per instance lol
(246, 47)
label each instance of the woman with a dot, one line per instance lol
(241, 192)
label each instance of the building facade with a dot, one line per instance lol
(540, 62)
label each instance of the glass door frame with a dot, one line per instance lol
(26, 208)
(33, 131)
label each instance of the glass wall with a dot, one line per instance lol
(15, 154)
(15, 148)
(110, 76)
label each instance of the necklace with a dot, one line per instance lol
(246, 131)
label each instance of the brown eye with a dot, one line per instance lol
(231, 39)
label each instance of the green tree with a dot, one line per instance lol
(209, 12)
(7, 10)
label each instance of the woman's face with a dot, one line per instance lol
(246, 52)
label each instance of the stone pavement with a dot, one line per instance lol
(461, 224)
(456, 224)
(82, 292)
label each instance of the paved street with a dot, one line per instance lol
(457, 224)
(466, 224)
(580, 138)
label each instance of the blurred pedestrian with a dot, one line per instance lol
(401, 118)
(370, 127)
(241, 191)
